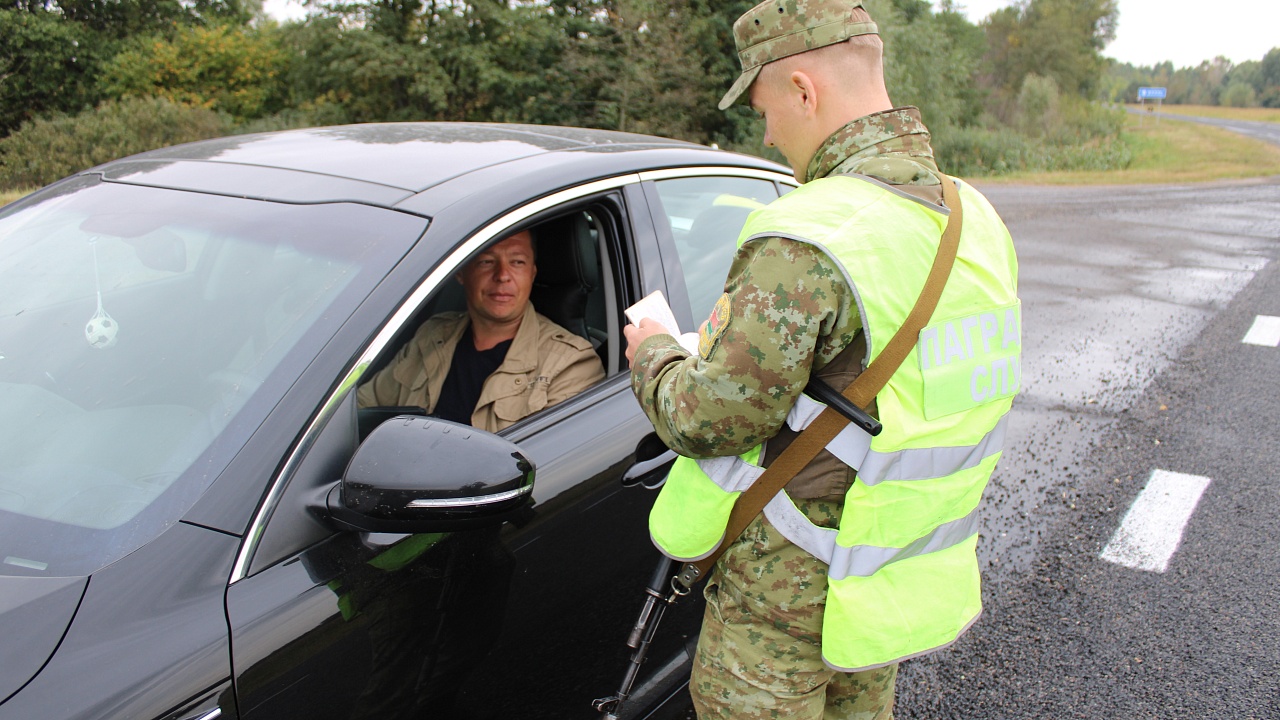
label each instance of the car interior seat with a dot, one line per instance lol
(567, 288)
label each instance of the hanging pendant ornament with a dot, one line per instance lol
(101, 329)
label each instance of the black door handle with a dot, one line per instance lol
(653, 461)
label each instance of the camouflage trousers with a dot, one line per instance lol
(759, 654)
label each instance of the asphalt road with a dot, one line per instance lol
(1136, 301)
(1266, 131)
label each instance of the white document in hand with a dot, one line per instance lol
(654, 306)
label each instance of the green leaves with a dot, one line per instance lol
(1059, 39)
(649, 66)
(1213, 82)
(46, 65)
(221, 67)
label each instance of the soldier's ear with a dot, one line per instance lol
(805, 91)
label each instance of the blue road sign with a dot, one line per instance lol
(1151, 93)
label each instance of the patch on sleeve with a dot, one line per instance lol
(714, 327)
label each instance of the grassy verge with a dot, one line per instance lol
(8, 196)
(1223, 113)
(1171, 152)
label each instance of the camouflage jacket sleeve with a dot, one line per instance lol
(787, 309)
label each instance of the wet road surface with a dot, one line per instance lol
(1135, 301)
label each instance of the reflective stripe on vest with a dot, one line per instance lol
(861, 560)
(853, 447)
(731, 473)
(686, 491)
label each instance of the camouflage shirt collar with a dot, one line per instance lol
(898, 132)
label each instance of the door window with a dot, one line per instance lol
(706, 214)
(576, 286)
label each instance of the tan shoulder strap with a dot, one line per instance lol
(861, 392)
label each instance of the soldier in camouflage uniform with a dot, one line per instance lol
(787, 311)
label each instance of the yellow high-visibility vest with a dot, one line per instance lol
(903, 575)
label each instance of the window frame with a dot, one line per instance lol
(672, 267)
(407, 311)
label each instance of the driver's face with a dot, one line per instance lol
(497, 282)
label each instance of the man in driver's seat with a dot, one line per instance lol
(496, 363)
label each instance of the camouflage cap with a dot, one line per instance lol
(775, 29)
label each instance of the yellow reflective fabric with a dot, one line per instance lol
(689, 517)
(971, 360)
(896, 614)
(891, 514)
(926, 592)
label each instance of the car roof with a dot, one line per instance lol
(386, 164)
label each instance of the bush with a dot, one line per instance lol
(47, 149)
(1239, 94)
(977, 151)
(321, 112)
(224, 68)
(1059, 132)
(1084, 122)
(1038, 106)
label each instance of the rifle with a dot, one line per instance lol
(659, 594)
(665, 587)
(819, 390)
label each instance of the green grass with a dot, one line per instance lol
(1171, 151)
(1223, 113)
(8, 196)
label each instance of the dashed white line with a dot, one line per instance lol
(1151, 531)
(1265, 332)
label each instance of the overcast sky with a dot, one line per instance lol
(1183, 31)
(1150, 31)
(285, 9)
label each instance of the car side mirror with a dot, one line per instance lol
(419, 474)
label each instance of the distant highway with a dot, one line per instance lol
(1265, 131)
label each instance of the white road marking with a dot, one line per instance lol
(1265, 331)
(1150, 532)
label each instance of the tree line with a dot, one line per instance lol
(1254, 83)
(82, 81)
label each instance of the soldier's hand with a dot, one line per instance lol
(638, 334)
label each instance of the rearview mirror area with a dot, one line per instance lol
(417, 474)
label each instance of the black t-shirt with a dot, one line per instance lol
(467, 373)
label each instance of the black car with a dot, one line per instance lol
(195, 519)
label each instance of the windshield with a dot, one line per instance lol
(144, 334)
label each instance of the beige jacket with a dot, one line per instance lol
(545, 365)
